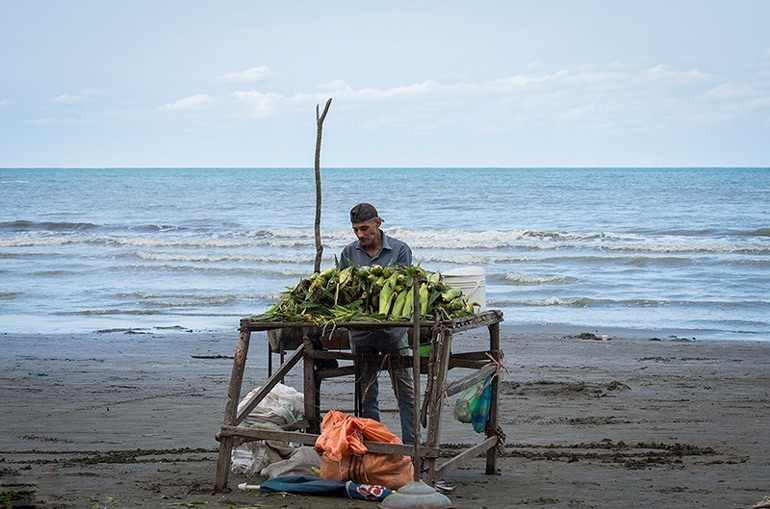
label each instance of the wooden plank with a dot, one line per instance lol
(310, 438)
(477, 450)
(494, 346)
(487, 318)
(457, 324)
(233, 396)
(460, 385)
(334, 372)
(416, 368)
(462, 363)
(472, 356)
(271, 382)
(436, 396)
(311, 388)
(223, 463)
(405, 360)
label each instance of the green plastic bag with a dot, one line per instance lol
(480, 415)
(467, 401)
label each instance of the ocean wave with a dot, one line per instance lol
(761, 232)
(23, 226)
(99, 312)
(529, 240)
(210, 302)
(581, 302)
(183, 269)
(433, 240)
(9, 295)
(637, 261)
(52, 273)
(213, 242)
(150, 242)
(521, 279)
(174, 257)
(194, 296)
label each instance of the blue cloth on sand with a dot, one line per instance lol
(304, 485)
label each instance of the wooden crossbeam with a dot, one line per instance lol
(460, 385)
(251, 434)
(471, 452)
(271, 382)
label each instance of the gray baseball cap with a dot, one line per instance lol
(362, 212)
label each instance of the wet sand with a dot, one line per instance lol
(644, 419)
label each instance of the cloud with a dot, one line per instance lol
(732, 99)
(73, 98)
(4, 102)
(257, 104)
(249, 75)
(606, 99)
(52, 121)
(191, 103)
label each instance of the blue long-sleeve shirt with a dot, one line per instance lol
(392, 252)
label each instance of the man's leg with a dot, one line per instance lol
(403, 387)
(369, 372)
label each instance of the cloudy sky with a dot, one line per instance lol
(97, 83)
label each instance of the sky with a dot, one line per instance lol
(165, 83)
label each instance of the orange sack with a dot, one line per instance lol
(344, 456)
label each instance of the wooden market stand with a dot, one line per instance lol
(441, 360)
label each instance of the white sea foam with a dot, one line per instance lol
(193, 296)
(594, 302)
(519, 278)
(429, 240)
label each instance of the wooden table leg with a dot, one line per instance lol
(436, 397)
(231, 409)
(494, 346)
(312, 390)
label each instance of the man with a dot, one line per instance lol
(373, 247)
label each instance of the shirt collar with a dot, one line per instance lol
(385, 246)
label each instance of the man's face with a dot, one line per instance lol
(367, 232)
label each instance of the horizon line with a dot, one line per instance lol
(365, 167)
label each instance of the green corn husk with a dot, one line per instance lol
(398, 306)
(368, 294)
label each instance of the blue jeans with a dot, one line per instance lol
(400, 377)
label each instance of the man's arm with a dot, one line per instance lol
(345, 256)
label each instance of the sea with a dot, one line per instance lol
(96, 249)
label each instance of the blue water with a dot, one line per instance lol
(684, 248)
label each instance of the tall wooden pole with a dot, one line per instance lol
(319, 119)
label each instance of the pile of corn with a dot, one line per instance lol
(369, 294)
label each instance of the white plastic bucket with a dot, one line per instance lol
(471, 281)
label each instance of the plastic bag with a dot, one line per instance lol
(467, 401)
(480, 415)
(283, 405)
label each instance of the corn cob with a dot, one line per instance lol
(408, 310)
(451, 294)
(398, 306)
(423, 300)
(387, 295)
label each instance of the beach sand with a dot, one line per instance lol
(643, 419)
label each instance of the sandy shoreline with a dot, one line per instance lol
(643, 419)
